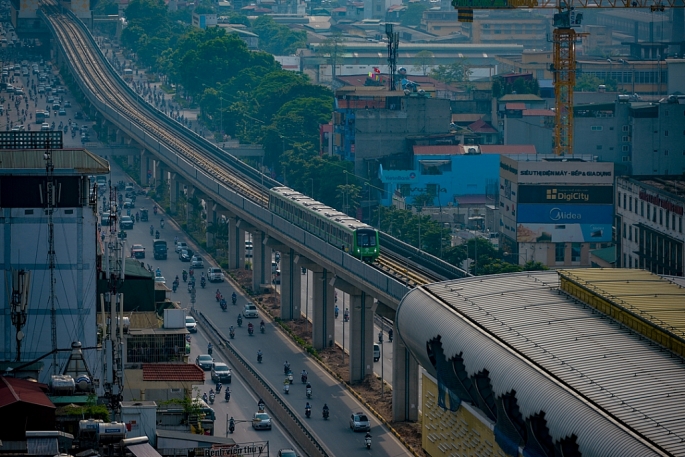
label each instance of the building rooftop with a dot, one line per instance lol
(481, 126)
(521, 98)
(173, 372)
(14, 390)
(515, 106)
(538, 112)
(66, 162)
(508, 149)
(670, 184)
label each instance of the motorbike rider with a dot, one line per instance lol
(286, 367)
(325, 410)
(152, 230)
(304, 375)
(234, 297)
(337, 310)
(185, 275)
(250, 328)
(390, 332)
(222, 303)
(161, 223)
(307, 409)
(204, 397)
(259, 355)
(231, 331)
(157, 234)
(202, 281)
(218, 387)
(380, 336)
(231, 422)
(260, 405)
(209, 348)
(227, 395)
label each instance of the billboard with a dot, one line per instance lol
(557, 172)
(598, 195)
(565, 214)
(563, 233)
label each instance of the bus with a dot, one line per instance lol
(128, 74)
(40, 116)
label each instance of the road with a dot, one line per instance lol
(277, 348)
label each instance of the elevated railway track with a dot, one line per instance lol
(398, 260)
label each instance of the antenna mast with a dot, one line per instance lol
(50, 201)
(393, 41)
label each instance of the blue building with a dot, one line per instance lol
(453, 174)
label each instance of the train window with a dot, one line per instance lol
(366, 238)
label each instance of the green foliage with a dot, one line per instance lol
(89, 411)
(278, 39)
(423, 61)
(106, 7)
(590, 83)
(456, 72)
(413, 14)
(407, 226)
(205, 7)
(519, 86)
(237, 18)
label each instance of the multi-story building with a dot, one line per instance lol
(441, 22)
(529, 30)
(649, 223)
(555, 210)
(67, 309)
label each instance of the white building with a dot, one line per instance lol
(649, 223)
(555, 210)
(25, 233)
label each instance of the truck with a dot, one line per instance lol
(159, 249)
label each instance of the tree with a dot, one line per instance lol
(423, 61)
(413, 14)
(588, 82)
(456, 72)
(278, 39)
(106, 7)
(332, 48)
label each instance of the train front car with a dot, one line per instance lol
(365, 245)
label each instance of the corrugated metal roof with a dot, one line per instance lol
(652, 297)
(77, 161)
(143, 450)
(14, 390)
(591, 376)
(172, 372)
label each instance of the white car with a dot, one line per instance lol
(160, 279)
(181, 245)
(191, 324)
(250, 310)
(214, 274)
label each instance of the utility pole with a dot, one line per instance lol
(21, 280)
(50, 201)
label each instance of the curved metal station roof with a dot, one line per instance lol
(617, 392)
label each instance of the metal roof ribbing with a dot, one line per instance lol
(592, 376)
(651, 297)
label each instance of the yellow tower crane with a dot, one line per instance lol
(564, 40)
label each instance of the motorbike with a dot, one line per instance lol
(367, 441)
(380, 337)
(261, 328)
(227, 395)
(234, 299)
(212, 396)
(157, 235)
(190, 287)
(231, 425)
(309, 392)
(218, 388)
(290, 377)
(185, 276)
(286, 369)
(175, 286)
(308, 412)
(304, 379)
(222, 303)
(250, 329)
(232, 333)
(336, 312)
(218, 296)
(286, 388)
(204, 397)
(209, 349)
(203, 282)
(154, 210)
(161, 223)
(152, 230)
(259, 358)
(390, 335)
(346, 316)
(240, 320)
(325, 414)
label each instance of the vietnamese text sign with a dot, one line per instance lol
(603, 195)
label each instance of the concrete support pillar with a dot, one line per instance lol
(361, 336)
(323, 309)
(291, 285)
(130, 160)
(405, 382)
(211, 222)
(236, 243)
(145, 168)
(261, 261)
(173, 192)
(189, 206)
(159, 172)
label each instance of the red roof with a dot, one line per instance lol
(172, 372)
(538, 112)
(515, 106)
(508, 149)
(481, 126)
(339, 10)
(13, 390)
(438, 150)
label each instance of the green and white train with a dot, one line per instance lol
(357, 238)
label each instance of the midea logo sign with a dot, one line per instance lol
(556, 214)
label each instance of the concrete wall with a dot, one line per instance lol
(658, 142)
(529, 130)
(137, 389)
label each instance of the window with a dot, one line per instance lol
(618, 201)
(575, 252)
(625, 128)
(626, 148)
(559, 252)
(624, 230)
(624, 138)
(665, 132)
(642, 209)
(630, 204)
(597, 128)
(666, 152)
(599, 147)
(661, 217)
(624, 201)
(630, 234)
(673, 222)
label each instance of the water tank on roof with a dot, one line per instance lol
(111, 432)
(62, 385)
(174, 318)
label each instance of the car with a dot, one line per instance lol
(126, 223)
(45, 127)
(160, 279)
(250, 310)
(181, 245)
(67, 104)
(191, 324)
(214, 274)
(286, 453)
(249, 248)
(277, 277)
(359, 422)
(50, 100)
(204, 361)
(129, 203)
(78, 115)
(376, 352)
(185, 255)
(221, 373)
(62, 112)
(138, 251)
(197, 262)
(261, 421)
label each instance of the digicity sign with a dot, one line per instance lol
(665, 204)
(568, 196)
(557, 214)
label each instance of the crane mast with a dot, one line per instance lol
(563, 44)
